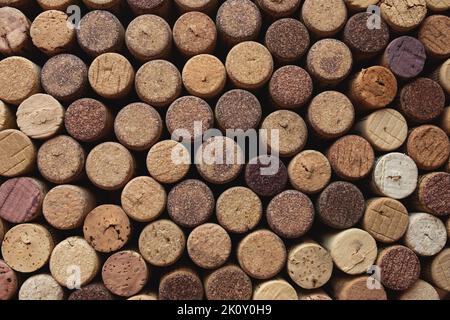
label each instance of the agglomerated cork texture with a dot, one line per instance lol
(433, 193)
(94, 291)
(228, 283)
(324, 18)
(278, 9)
(181, 284)
(266, 175)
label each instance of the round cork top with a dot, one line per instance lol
(445, 120)
(94, 291)
(14, 31)
(162, 243)
(65, 77)
(20, 79)
(100, 32)
(140, 7)
(356, 288)
(61, 160)
(447, 225)
(190, 203)
(7, 117)
(41, 287)
(125, 273)
(360, 5)
(400, 267)
(209, 246)
(438, 5)
(275, 290)
(2, 230)
(168, 161)
(435, 36)
(351, 157)
(438, 270)
(40, 116)
(385, 219)
(434, 193)
(324, 18)
(266, 175)
(17, 155)
(66, 206)
(420, 290)
(249, 65)
(239, 209)
(309, 265)
(261, 254)
(110, 166)
(194, 33)
(403, 16)
(56, 4)
(68, 254)
(27, 247)
(102, 4)
(228, 283)
(329, 61)
(340, 205)
(52, 33)
(181, 284)
(331, 114)
(287, 39)
(21, 199)
(238, 109)
(278, 9)
(148, 37)
(107, 228)
(428, 146)
(196, 5)
(444, 77)
(143, 199)
(158, 83)
(8, 282)
(138, 126)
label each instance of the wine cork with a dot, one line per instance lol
(445, 120)
(313, 295)
(186, 116)
(266, 175)
(190, 203)
(351, 157)
(52, 32)
(329, 61)
(442, 76)
(399, 266)
(61, 160)
(353, 250)
(278, 9)
(360, 5)
(403, 16)
(194, 33)
(365, 42)
(148, 37)
(27, 247)
(331, 114)
(275, 290)
(125, 273)
(205, 6)
(238, 209)
(40, 116)
(309, 265)
(249, 65)
(158, 7)
(421, 290)
(385, 129)
(21, 199)
(107, 228)
(432, 194)
(219, 160)
(437, 270)
(14, 32)
(238, 21)
(428, 146)
(340, 205)
(426, 234)
(373, 88)
(74, 253)
(168, 161)
(324, 18)
(66, 206)
(261, 254)
(385, 219)
(357, 288)
(88, 120)
(162, 243)
(110, 166)
(448, 226)
(41, 287)
(435, 37)
(228, 283)
(20, 79)
(405, 56)
(143, 199)
(395, 175)
(144, 296)
(100, 32)
(138, 126)
(94, 291)
(8, 282)
(2, 230)
(239, 109)
(7, 117)
(181, 284)
(56, 4)
(438, 5)
(209, 246)
(287, 40)
(65, 77)
(18, 154)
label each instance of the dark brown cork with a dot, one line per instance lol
(94, 291)
(8, 282)
(434, 193)
(266, 175)
(435, 36)
(158, 7)
(228, 283)
(181, 284)
(355, 288)
(340, 205)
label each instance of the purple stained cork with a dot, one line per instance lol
(266, 175)
(94, 291)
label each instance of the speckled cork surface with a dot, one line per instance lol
(421, 290)
(355, 288)
(402, 15)
(181, 284)
(228, 283)
(432, 193)
(8, 281)
(41, 287)
(324, 17)
(94, 291)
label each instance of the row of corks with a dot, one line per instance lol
(91, 196)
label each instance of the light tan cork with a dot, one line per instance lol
(403, 15)
(278, 289)
(14, 32)
(324, 18)
(438, 5)
(7, 117)
(435, 37)
(445, 120)
(437, 270)
(278, 9)
(360, 5)
(421, 290)
(103, 4)
(317, 294)
(344, 287)
(27, 247)
(40, 116)
(205, 6)
(442, 76)
(56, 4)
(18, 154)
(143, 199)
(41, 287)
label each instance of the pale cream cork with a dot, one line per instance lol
(438, 5)
(14, 32)
(57, 4)
(324, 18)
(278, 289)
(403, 16)
(205, 6)
(18, 154)
(7, 117)
(437, 270)
(420, 290)
(360, 5)
(41, 287)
